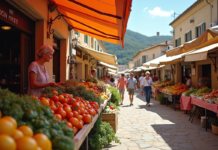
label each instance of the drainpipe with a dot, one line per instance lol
(211, 7)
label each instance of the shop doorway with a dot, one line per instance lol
(206, 74)
(56, 59)
(186, 71)
(86, 71)
(16, 54)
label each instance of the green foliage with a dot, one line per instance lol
(115, 97)
(160, 98)
(101, 135)
(93, 80)
(133, 43)
(113, 105)
(214, 121)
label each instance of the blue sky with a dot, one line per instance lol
(151, 16)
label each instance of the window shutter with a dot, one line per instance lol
(186, 37)
(179, 41)
(176, 43)
(145, 59)
(98, 47)
(196, 32)
(95, 45)
(87, 39)
(190, 35)
(203, 27)
(142, 59)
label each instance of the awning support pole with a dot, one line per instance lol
(214, 62)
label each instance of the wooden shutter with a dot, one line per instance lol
(179, 42)
(190, 35)
(203, 27)
(176, 43)
(196, 32)
(98, 47)
(186, 37)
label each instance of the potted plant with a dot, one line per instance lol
(214, 123)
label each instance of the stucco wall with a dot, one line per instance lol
(201, 13)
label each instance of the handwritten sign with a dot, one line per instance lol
(193, 71)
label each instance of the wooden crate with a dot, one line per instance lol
(112, 119)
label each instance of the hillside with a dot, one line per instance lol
(133, 43)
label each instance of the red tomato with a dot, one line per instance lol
(79, 112)
(55, 98)
(87, 118)
(92, 112)
(67, 109)
(70, 96)
(80, 117)
(81, 105)
(61, 97)
(64, 100)
(65, 95)
(69, 115)
(51, 102)
(69, 125)
(76, 106)
(71, 101)
(65, 105)
(58, 104)
(62, 113)
(74, 121)
(80, 125)
(58, 116)
(75, 113)
(55, 92)
(82, 111)
(75, 130)
(53, 107)
(42, 98)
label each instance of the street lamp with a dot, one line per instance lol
(74, 41)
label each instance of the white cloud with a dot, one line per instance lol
(161, 13)
(145, 8)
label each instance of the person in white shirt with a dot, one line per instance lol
(141, 82)
(147, 82)
(188, 81)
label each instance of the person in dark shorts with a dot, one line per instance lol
(131, 87)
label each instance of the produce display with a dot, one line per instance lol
(75, 111)
(189, 92)
(176, 89)
(13, 137)
(33, 118)
(163, 83)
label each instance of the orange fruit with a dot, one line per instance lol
(27, 131)
(7, 143)
(45, 102)
(11, 119)
(42, 141)
(17, 134)
(26, 143)
(39, 148)
(6, 127)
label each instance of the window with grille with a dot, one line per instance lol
(200, 29)
(86, 39)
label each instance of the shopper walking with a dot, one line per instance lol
(147, 82)
(131, 86)
(141, 82)
(154, 78)
(121, 85)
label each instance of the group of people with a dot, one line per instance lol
(131, 85)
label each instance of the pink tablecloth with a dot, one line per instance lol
(185, 103)
(208, 106)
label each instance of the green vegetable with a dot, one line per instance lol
(115, 97)
(54, 133)
(44, 131)
(30, 115)
(214, 121)
(204, 90)
(62, 143)
(68, 132)
(188, 93)
(41, 123)
(101, 135)
(160, 98)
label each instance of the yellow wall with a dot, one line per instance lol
(40, 7)
(201, 13)
(158, 51)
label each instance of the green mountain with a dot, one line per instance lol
(133, 43)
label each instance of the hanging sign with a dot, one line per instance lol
(193, 71)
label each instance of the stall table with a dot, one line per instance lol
(185, 103)
(156, 91)
(172, 98)
(207, 106)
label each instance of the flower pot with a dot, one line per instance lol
(215, 129)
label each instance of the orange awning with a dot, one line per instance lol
(103, 19)
(210, 36)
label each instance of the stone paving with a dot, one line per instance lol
(159, 128)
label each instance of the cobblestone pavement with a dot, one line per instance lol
(159, 128)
